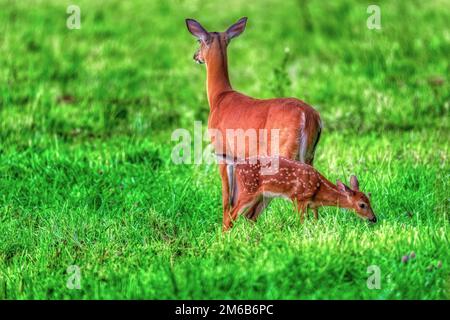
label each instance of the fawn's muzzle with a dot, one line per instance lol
(373, 220)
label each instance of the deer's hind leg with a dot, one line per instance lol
(255, 211)
(243, 203)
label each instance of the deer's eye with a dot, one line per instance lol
(362, 205)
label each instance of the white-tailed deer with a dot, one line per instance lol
(298, 182)
(297, 125)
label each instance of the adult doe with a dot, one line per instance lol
(298, 125)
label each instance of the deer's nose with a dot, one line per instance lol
(373, 220)
(197, 58)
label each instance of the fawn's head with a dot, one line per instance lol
(359, 201)
(212, 43)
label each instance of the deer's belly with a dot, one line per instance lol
(250, 142)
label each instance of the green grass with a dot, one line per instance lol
(86, 177)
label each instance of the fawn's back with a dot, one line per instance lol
(290, 179)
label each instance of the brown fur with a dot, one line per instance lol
(299, 182)
(298, 122)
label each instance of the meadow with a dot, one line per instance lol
(87, 180)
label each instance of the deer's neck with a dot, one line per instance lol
(217, 80)
(329, 195)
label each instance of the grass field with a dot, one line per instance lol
(86, 176)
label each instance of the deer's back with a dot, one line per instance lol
(236, 110)
(290, 179)
(289, 116)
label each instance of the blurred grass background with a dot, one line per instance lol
(85, 172)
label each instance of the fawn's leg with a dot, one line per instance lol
(316, 213)
(302, 208)
(254, 212)
(243, 203)
(303, 212)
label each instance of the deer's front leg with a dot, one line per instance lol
(231, 217)
(303, 212)
(302, 208)
(225, 196)
(316, 213)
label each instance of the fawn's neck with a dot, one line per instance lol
(217, 80)
(330, 196)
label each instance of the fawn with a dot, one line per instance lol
(298, 182)
(298, 123)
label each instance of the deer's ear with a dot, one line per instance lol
(354, 184)
(237, 28)
(342, 187)
(196, 29)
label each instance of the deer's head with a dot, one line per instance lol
(358, 201)
(213, 43)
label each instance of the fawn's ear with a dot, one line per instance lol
(354, 184)
(237, 28)
(196, 29)
(342, 187)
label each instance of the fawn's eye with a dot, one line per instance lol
(362, 205)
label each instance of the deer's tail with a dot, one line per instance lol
(310, 137)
